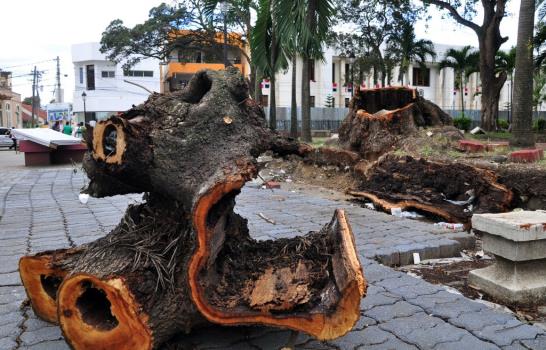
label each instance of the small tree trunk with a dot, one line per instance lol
(272, 88)
(522, 133)
(272, 104)
(258, 86)
(489, 43)
(305, 102)
(293, 102)
(462, 94)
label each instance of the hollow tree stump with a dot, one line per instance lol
(379, 118)
(184, 258)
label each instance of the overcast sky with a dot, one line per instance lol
(38, 31)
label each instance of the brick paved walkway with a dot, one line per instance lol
(40, 210)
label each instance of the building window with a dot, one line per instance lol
(138, 73)
(108, 74)
(421, 77)
(81, 75)
(333, 72)
(347, 100)
(265, 101)
(312, 70)
(312, 100)
(347, 72)
(8, 107)
(90, 73)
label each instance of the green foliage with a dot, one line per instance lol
(539, 83)
(462, 122)
(503, 124)
(405, 49)
(539, 125)
(464, 61)
(159, 35)
(306, 24)
(375, 21)
(329, 101)
(505, 61)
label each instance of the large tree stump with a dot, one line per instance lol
(451, 192)
(184, 258)
(379, 118)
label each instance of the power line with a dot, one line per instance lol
(27, 64)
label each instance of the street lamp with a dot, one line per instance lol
(84, 95)
(351, 60)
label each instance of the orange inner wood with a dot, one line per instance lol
(32, 269)
(319, 325)
(131, 331)
(98, 142)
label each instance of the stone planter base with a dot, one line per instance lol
(516, 282)
(518, 241)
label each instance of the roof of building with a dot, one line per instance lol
(27, 113)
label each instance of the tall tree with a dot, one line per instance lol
(268, 52)
(464, 62)
(522, 133)
(239, 19)
(309, 21)
(372, 23)
(407, 49)
(506, 61)
(490, 40)
(186, 25)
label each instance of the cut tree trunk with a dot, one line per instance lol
(379, 118)
(184, 258)
(41, 276)
(451, 192)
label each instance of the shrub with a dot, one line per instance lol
(503, 124)
(462, 122)
(539, 125)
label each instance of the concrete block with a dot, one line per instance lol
(515, 226)
(515, 251)
(517, 282)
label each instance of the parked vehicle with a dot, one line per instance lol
(5, 139)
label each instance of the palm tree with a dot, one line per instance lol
(407, 49)
(522, 134)
(464, 62)
(309, 21)
(268, 52)
(506, 62)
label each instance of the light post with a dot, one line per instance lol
(351, 60)
(84, 96)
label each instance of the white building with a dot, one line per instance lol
(328, 77)
(107, 87)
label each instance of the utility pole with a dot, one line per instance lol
(58, 95)
(33, 97)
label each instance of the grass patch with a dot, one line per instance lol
(319, 141)
(491, 136)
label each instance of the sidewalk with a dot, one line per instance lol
(40, 211)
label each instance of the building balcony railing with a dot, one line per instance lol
(192, 68)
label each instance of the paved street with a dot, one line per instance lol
(39, 210)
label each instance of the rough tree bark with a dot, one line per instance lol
(184, 258)
(379, 118)
(522, 124)
(490, 40)
(452, 192)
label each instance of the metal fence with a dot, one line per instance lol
(323, 118)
